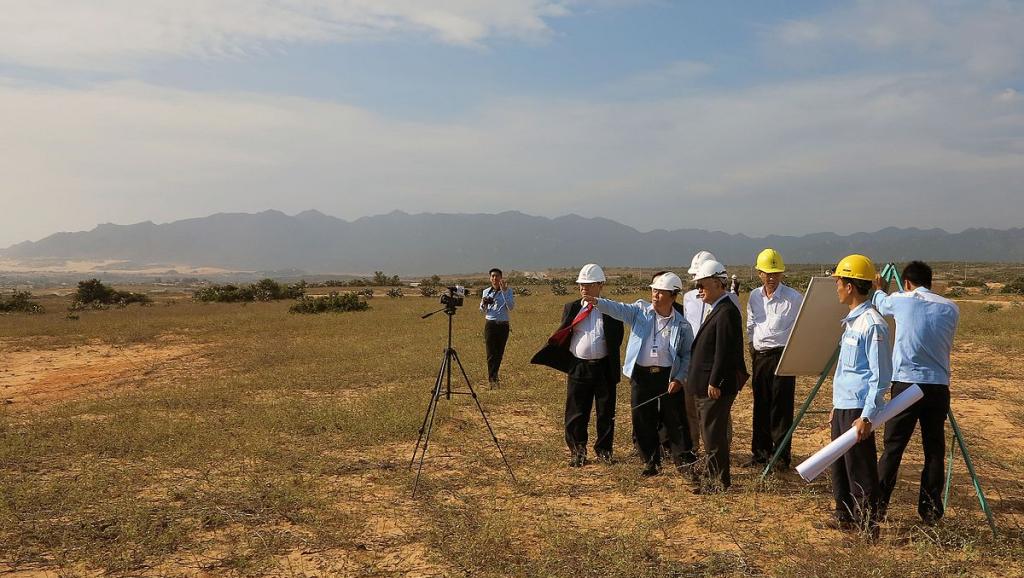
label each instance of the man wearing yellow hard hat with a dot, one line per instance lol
(771, 312)
(863, 374)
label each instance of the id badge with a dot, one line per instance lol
(654, 352)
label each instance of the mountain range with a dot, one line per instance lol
(426, 243)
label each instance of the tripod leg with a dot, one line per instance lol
(429, 423)
(482, 414)
(974, 476)
(430, 406)
(949, 476)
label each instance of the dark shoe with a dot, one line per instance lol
(650, 469)
(931, 518)
(578, 460)
(754, 463)
(605, 457)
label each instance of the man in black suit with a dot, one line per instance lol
(586, 347)
(717, 371)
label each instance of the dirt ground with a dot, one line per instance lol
(32, 378)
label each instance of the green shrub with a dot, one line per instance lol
(20, 302)
(973, 283)
(97, 295)
(956, 292)
(557, 288)
(333, 303)
(428, 291)
(991, 308)
(395, 292)
(263, 290)
(1015, 286)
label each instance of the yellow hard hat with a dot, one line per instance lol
(770, 261)
(856, 267)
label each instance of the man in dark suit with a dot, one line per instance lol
(717, 371)
(588, 351)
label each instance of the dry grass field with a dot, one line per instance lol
(189, 439)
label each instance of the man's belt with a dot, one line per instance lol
(592, 361)
(652, 369)
(771, 351)
(498, 321)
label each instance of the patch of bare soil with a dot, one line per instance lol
(38, 378)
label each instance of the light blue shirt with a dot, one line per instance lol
(864, 369)
(925, 325)
(641, 318)
(504, 301)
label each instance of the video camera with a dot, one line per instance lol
(455, 297)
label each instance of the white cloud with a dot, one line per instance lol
(111, 34)
(784, 158)
(983, 38)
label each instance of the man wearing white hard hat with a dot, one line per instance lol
(717, 371)
(586, 347)
(695, 310)
(657, 359)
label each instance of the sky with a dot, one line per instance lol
(760, 117)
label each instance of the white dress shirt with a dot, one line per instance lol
(770, 319)
(587, 341)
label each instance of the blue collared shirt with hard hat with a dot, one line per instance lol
(770, 319)
(641, 318)
(925, 325)
(864, 370)
(503, 302)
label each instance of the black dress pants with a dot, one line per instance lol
(931, 410)
(773, 407)
(855, 484)
(715, 416)
(495, 338)
(588, 384)
(648, 383)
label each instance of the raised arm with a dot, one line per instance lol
(623, 312)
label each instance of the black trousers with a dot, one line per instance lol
(855, 484)
(588, 385)
(931, 410)
(667, 412)
(495, 338)
(773, 407)
(715, 415)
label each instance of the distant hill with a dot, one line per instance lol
(435, 242)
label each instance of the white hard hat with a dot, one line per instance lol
(733, 275)
(667, 282)
(591, 273)
(710, 268)
(699, 258)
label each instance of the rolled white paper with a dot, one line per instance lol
(823, 458)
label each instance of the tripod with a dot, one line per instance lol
(443, 386)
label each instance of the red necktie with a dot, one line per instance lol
(561, 337)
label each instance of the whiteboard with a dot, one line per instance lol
(816, 331)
